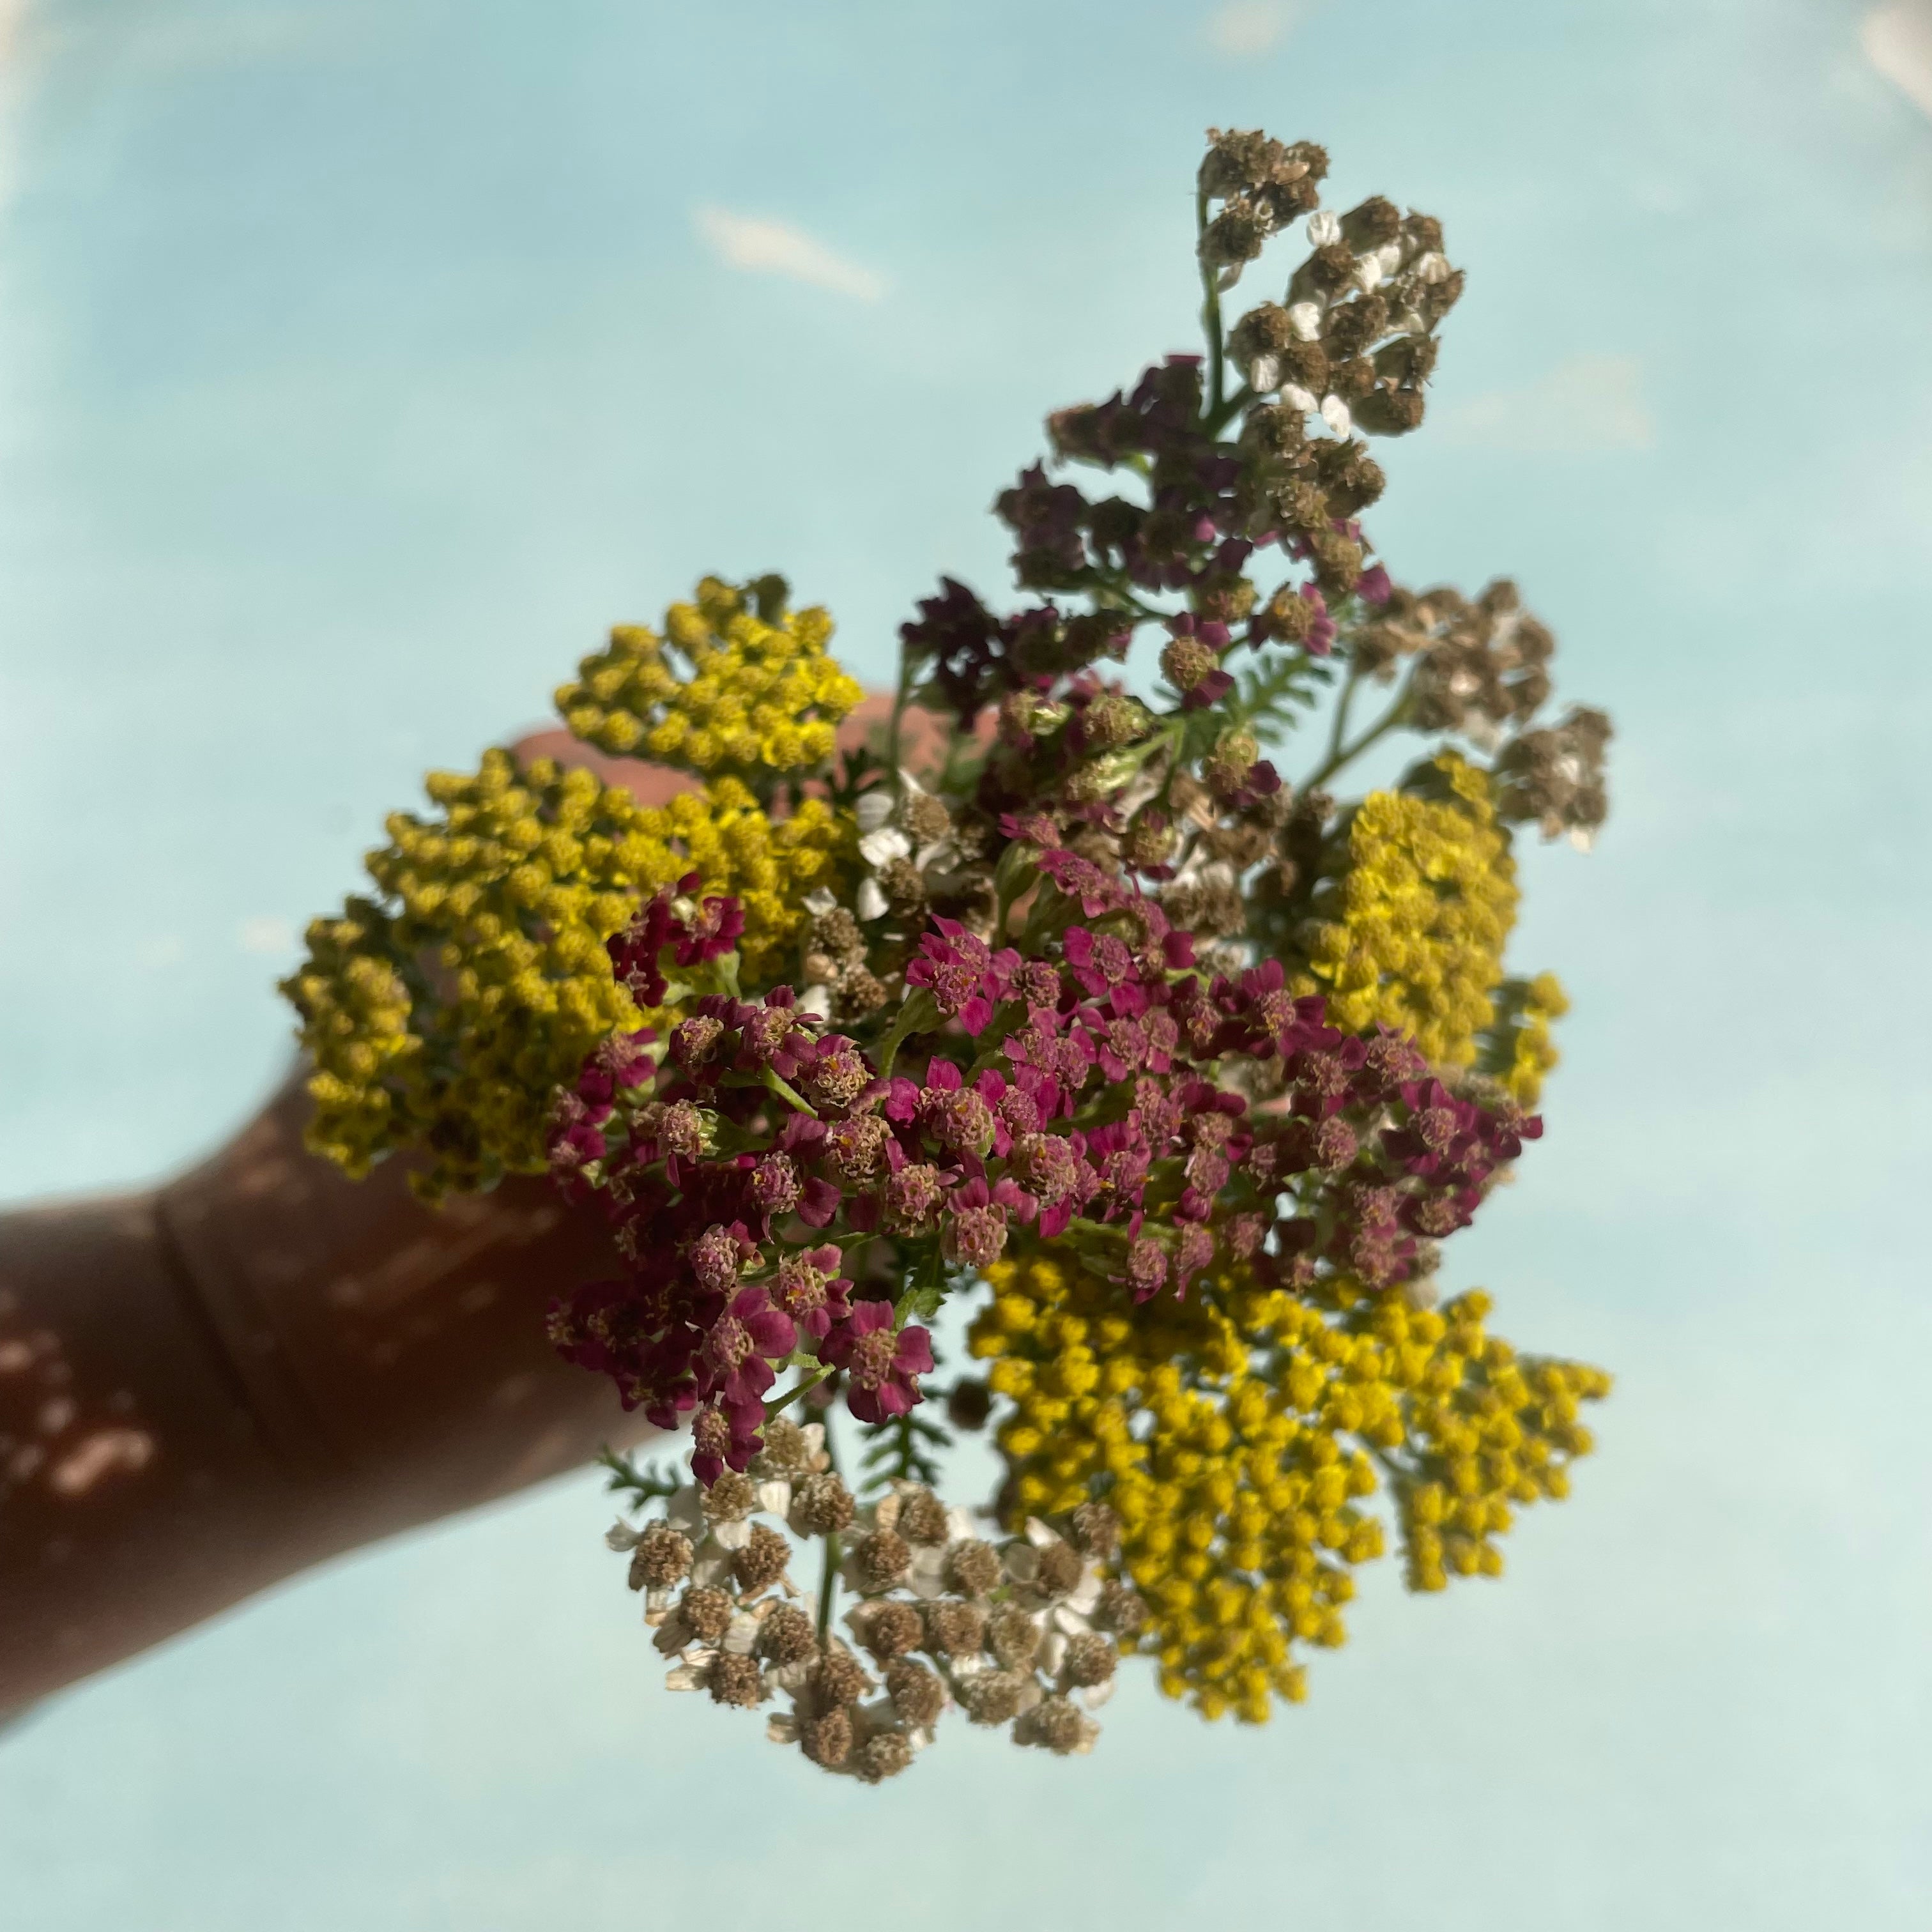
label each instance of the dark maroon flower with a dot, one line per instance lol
(719, 1254)
(879, 1366)
(635, 950)
(735, 1350)
(1191, 661)
(720, 1439)
(694, 1043)
(809, 1288)
(965, 643)
(775, 1187)
(712, 931)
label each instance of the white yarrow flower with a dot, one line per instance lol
(712, 1566)
(694, 1673)
(1335, 414)
(1325, 226)
(882, 847)
(1305, 318)
(1265, 374)
(870, 902)
(1297, 398)
(684, 1512)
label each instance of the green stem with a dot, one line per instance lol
(1342, 709)
(828, 1584)
(930, 1274)
(1211, 309)
(1218, 418)
(916, 1013)
(1345, 754)
(792, 1394)
(893, 757)
(828, 1580)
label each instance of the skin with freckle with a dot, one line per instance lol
(207, 1388)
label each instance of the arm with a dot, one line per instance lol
(207, 1388)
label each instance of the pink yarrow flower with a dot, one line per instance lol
(965, 978)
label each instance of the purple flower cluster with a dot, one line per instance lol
(1078, 1082)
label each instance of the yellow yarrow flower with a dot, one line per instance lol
(442, 1015)
(1517, 1051)
(1236, 1436)
(751, 690)
(1418, 918)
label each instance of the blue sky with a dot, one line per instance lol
(358, 365)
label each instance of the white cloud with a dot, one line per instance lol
(1248, 27)
(1898, 40)
(1589, 403)
(771, 248)
(267, 933)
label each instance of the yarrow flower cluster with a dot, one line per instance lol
(758, 692)
(1174, 1069)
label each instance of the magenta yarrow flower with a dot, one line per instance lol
(718, 1442)
(965, 978)
(880, 1367)
(636, 949)
(735, 1350)
(912, 1196)
(711, 931)
(1082, 880)
(810, 1289)
(718, 1256)
(775, 1187)
(1146, 1268)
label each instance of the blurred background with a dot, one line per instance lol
(359, 363)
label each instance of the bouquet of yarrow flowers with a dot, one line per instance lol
(1177, 1075)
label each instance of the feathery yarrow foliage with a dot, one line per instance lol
(1171, 1073)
